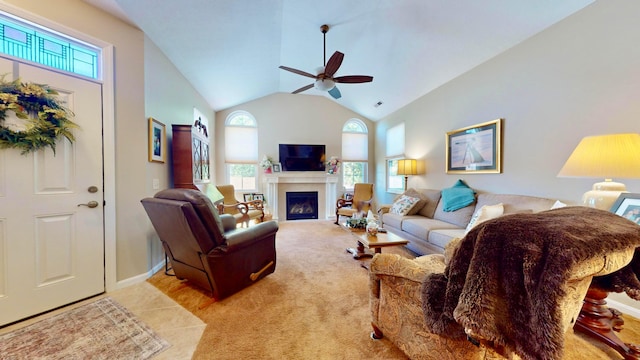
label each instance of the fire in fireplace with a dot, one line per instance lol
(302, 205)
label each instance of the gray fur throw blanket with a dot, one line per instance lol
(504, 280)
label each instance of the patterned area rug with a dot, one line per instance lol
(102, 329)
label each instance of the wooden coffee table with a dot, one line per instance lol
(367, 242)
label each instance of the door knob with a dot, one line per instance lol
(90, 204)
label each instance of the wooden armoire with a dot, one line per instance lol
(190, 150)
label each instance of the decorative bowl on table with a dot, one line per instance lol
(357, 224)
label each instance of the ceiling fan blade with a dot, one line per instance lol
(304, 88)
(333, 64)
(335, 93)
(299, 72)
(353, 79)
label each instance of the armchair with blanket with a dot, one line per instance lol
(510, 288)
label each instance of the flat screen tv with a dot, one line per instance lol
(297, 157)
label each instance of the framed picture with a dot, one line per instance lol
(258, 197)
(157, 141)
(247, 197)
(276, 167)
(628, 206)
(475, 149)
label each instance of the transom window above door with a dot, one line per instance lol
(37, 44)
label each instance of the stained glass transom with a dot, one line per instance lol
(28, 42)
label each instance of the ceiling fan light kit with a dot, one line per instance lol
(324, 84)
(325, 81)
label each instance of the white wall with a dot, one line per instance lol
(146, 84)
(291, 119)
(170, 99)
(578, 78)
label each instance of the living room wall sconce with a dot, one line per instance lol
(606, 157)
(407, 167)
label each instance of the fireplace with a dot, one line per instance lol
(302, 205)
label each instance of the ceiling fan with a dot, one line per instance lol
(325, 81)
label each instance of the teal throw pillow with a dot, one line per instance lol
(457, 196)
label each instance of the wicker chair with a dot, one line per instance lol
(242, 211)
(361, 201)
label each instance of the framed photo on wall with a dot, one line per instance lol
(628, 206)
(157, 141)
(475, 149)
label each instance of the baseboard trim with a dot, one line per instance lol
(625, 309)
(139, 278)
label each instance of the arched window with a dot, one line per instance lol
(355, 152)
(241, 150)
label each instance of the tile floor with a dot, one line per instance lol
(168, 319)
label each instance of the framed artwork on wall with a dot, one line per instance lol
(628, 206)
(475, 149)
(157, 141)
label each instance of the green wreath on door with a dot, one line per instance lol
(46, 120)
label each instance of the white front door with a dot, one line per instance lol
(51, 245)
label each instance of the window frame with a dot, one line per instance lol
(389, 176)
(365, 173)
(252, 124)
(362, 129)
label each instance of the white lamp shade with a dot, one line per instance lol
(604, 157)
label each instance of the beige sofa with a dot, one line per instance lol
(429, 228)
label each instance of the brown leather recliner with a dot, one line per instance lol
(208, 249)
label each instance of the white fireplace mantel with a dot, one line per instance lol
(304, 181)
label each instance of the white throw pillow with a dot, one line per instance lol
(558, 204)
(403, 205)
(485, 213)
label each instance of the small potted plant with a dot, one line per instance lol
(333, 165)
(266, 164)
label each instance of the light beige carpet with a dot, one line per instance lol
(102, 329)
(314, 306)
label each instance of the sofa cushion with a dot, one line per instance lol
(392, 220)
(441, 237)
(433, 197)
(457, 196)
(403, 205)
(459, 217)
(515, 203)
(420, 226)
(421, 202)
(484, 213)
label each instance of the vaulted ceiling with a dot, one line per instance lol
(230, 50)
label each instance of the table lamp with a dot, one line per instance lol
(407, 167)
(606, 157)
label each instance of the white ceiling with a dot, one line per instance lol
(230, 50)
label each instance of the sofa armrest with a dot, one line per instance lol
(411, 269)
(605, 265)
(384, 208)
(241, 238)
